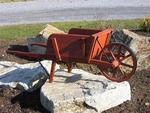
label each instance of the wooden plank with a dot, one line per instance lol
(56, 49)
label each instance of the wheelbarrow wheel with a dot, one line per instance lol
(123, 62)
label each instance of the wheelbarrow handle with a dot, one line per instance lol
(39, 44)
(26, 54)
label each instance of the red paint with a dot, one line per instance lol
(80, 46)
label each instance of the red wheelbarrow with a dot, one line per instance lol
(116, 61)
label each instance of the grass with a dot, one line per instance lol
(100, 24)
(20, 31)
(29, 30)
(5, 1)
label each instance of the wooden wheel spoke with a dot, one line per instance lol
(125, 57)
(112, 55)
(121, 53)
(127, 65)
(121, 70)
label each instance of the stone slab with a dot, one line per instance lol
(82, 92)
(28, 76)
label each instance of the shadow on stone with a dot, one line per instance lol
(73, 78)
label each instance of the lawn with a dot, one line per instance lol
(29, 30)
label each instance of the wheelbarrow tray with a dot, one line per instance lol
(82, 46)
(69, 47)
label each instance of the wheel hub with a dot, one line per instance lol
(115, 64)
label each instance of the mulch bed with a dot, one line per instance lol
(15, 101)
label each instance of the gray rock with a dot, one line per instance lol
(82, 92)
(139, 44)
(24, 76)
(121, 37)
(42, 38)
(36, 49)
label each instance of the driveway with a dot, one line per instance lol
(69, 10)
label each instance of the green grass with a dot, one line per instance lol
(100, 24)
(29, 30)
(20, 31)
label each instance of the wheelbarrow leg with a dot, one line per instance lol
(52, 71)
(70, 66)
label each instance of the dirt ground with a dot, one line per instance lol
(13, 101)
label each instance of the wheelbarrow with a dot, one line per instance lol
(115, 61)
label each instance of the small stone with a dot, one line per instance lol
(2, 105)
(147, 104)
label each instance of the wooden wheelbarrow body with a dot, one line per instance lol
(78, 46)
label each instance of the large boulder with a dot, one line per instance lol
(82, 92)
(24, 76)
(138, 43)
(42, 38)
(48, 30)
